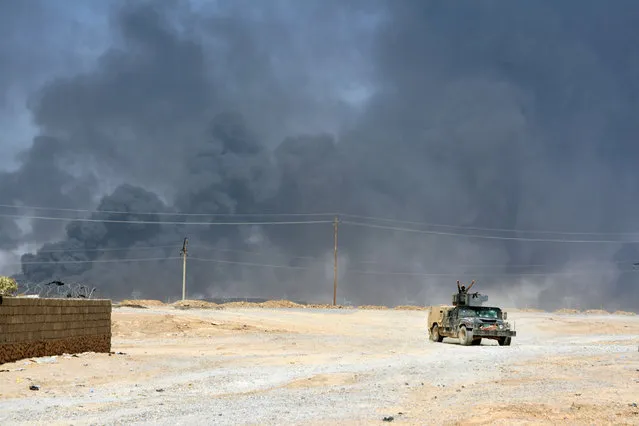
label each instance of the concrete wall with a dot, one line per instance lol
(34, 327)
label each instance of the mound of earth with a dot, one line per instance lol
(596, 312)
(372, 307)
(273, 304)
(240, 305)
(321, 306)
(195, 304)
(410, 308)
(146, 303)
(624, 313)
(567, 311)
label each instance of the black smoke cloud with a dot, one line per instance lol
(512, 116)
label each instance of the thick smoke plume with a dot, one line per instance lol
(480, 115)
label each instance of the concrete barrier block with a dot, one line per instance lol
(40, 326)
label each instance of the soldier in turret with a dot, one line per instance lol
(463, 289)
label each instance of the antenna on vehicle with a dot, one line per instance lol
(184, 253)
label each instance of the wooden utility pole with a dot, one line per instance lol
(184, 253)
(335, 222)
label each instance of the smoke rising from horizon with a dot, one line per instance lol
(489, 115)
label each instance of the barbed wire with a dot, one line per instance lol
(56, 289)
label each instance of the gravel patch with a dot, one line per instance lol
(364, 366)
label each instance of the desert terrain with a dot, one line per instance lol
(202, 364)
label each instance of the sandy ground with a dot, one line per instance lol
(319, 366)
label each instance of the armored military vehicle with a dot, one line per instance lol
(469, 321)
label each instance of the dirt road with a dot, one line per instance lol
(297, 366)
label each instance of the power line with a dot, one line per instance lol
(249, 263)
(348, 271)
(144, 259)
(319, 259)
(166, 213)
(506, 265)
(327, 214)
(108, 249)
(475, 228)
(155, 222)
(490, 237)
(258, 253)
(471, 274)
(307, 222)
(200, 246)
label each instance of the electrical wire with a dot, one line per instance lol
(144, 259)
(505, 265)
(176, 246)
(154, 222)
(331, 214)
(247, 263)
(306, 222)
(475, 228)
(468, 274)
(347, 270)
(108, 249)
(258, 253)
(312, 258)
(166, 213)
(490, 237)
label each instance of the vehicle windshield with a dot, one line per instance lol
(480, 312)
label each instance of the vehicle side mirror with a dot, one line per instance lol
(505, 315)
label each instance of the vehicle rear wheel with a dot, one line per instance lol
(434, 334)
(504, 341)
(465, 336)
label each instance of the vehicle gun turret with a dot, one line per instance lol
(469, 299)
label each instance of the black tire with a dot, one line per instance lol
(504, 341)
(465, 336)
(434, 334)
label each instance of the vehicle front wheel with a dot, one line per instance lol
(504, 341)
(465, 336)
(434, 334)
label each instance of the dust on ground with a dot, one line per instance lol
(316, 366)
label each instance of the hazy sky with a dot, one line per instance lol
(491, 115)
